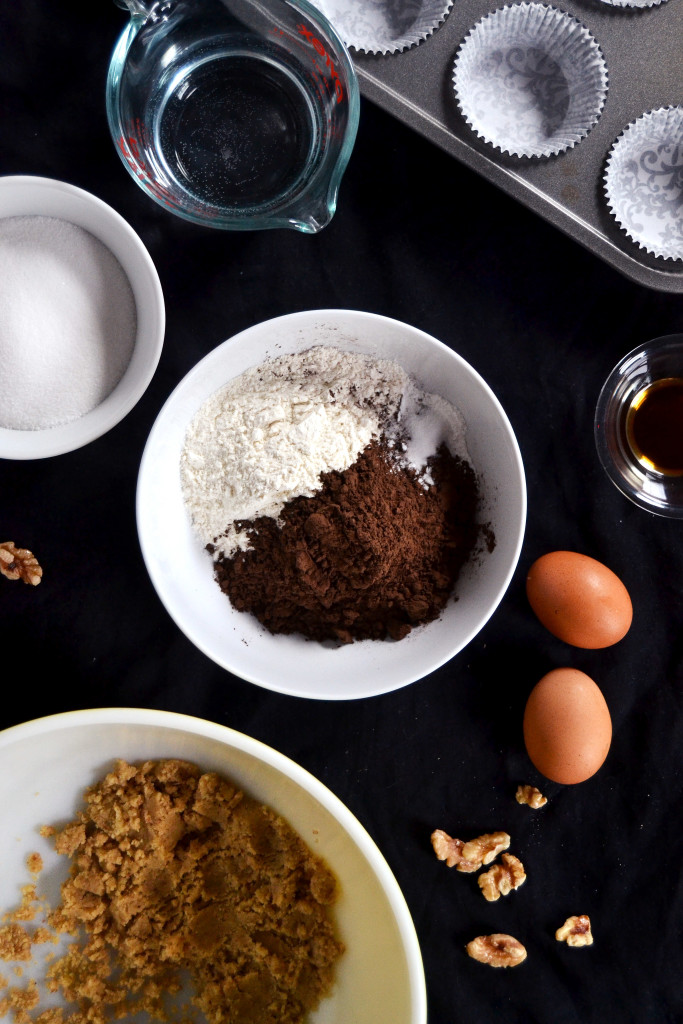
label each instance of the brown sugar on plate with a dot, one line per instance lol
(178, 873)
(19, 1001)
(15, 942)
(28, 908)
(34, 862)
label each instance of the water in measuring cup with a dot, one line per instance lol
(236, 130)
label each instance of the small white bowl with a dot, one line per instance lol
(25, 195)
(182, 571)
(379, 979)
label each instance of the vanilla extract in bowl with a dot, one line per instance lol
(654, 426)
(639, 426)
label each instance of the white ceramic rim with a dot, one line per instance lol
(377, 679)
(230, 737)
(42, 197)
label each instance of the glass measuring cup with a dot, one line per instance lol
(237, 114)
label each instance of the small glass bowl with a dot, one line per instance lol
(653, 489)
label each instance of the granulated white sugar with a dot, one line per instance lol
(426, 422)
(268, 435)
(67, 322)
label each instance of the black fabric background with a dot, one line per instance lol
(419, 238)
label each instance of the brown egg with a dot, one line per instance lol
(579, 599)
(567, 726)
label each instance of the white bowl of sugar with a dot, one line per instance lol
(82, 317)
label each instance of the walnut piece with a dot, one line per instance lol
(19, 564)
(469, 856)
(576, 931)
(531, 796)
(498, 950)
(502, 878)
(446, 848)
(482, 850)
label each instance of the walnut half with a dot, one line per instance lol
(446, 847)
(19, 564)
(576, 931)
(531, 796)
(482, 850)
(498, 950)
(502, 878)
(471, 855)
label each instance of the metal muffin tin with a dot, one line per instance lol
(643, 49)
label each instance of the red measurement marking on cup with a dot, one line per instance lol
(320, 49)
(130, 151)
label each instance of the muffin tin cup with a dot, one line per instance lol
(530, 80)
(380, 26)
(644, 182)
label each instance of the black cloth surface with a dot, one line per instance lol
(422, 239)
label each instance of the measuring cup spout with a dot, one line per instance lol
(136, 8)
(314, 218)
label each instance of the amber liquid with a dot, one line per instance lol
(654, 426)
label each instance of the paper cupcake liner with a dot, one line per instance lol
(384, 26)
(644, 182)
(639, 4)
(530, 80)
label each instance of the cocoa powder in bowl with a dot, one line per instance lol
(375, 552)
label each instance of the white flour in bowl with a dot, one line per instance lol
(268, 435)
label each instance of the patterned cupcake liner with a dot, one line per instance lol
(530, 80)
(384, 26)
(634, 4)
(644, 182)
